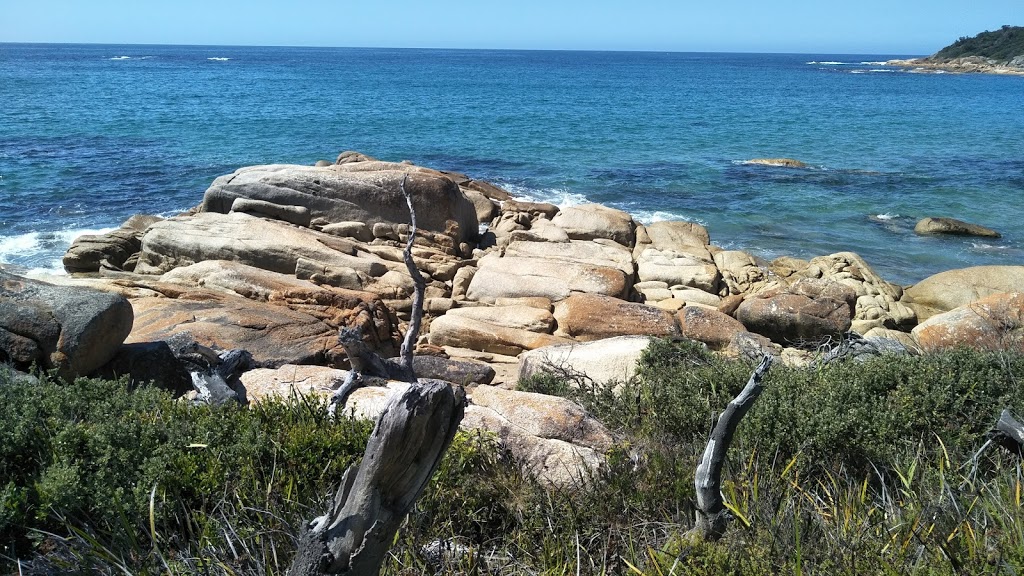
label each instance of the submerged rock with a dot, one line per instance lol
(780, 162)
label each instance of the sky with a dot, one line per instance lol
(898, 27)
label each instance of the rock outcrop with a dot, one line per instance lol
(992, 323)
(945, 291)
(953, 227)
(72, 330)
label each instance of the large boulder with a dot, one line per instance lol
(521, 276)
(291, 380)
(601, 361)
(586, 317)
(90, 252)
(993, 323)
(590, 221)
(238, 237)
(362, 191)
(954, 288)
(808, 310)
(465, 332)
(878, 301)
(741, 274)
(73, 330)
(693, 268)
(709, 326)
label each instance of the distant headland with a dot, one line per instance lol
(997, 52)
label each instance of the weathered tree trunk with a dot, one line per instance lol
(712, 516)
(1009, 433)
(404, 450)
(407, 444)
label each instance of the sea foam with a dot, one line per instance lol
(42, 252)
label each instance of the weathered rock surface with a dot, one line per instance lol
(462, 372)
(355, 191)
(952, 226)
(954, 288)
(74, 330)
(553, 438)
(995, 322)
(464, 332)
(291, 379)
(586, 317)
(519, 316)
(709, 326)
(600, 361)
(808, 310)
(519, 277)
(90, 252)
(878, 302)
(677, 268)
(590, 221)
(266, 244)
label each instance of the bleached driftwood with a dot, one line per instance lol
(712, 516)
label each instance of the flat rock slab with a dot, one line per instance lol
(274, 334)
(526, 277)
(71, 329)
(590, 221)
(266, 244)
(586, 317)
(464, 332)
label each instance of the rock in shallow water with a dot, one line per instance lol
(952, 226)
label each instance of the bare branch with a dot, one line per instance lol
(416, 319)
(712, 517)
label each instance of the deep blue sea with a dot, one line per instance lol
(91, 134)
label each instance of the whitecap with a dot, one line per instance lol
(875, 63)
(986, 247)
(121, 58)
(22, 244)
(886, 216)
(650, 217)
(557, 196)
(828, 63)
(218, 59)
(876, 70)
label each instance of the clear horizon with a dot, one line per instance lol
(802, 27)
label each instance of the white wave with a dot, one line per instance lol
(886, 216)
(218, 59)
(883, 63)
(650, 217)
(986, 247)
(121, 58)
(557, 196)
(23, 244)
(829, 63)
(877, 70)
(858, 71)
(42, 246)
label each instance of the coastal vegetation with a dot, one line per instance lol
(842, 468)
(1003, 45)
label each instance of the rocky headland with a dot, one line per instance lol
(996, 52)
(277, 259)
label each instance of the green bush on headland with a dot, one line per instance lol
(851, 468)
(1004, 45)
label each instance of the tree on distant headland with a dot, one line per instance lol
(1003, 45)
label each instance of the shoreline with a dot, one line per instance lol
(969, 65)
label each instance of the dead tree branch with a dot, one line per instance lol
(406, 447)
(712, 516)
(374, 497)
(416, 318)
(1009, 433)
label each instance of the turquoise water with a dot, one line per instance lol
(92, 134)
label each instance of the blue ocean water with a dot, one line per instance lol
(91, 134)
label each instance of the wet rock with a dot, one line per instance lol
(954, 227)
(778, 162)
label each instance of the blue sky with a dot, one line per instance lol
(864, 27)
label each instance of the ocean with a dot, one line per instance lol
(92, 134)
